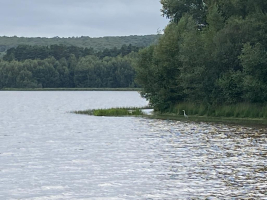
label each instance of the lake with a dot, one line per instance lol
(47, 152)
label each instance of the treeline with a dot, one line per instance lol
(99, 44)
(59, 66)
(24, 52)
(212, 52)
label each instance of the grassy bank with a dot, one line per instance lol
(241, 110)
(70, 89)
(224, 120)
(245, 114)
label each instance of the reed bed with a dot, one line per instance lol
(124, 111)
(241, 110)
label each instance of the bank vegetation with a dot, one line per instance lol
(211, 60)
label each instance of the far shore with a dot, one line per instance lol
(70, 89)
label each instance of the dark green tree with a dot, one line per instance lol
(175, 9)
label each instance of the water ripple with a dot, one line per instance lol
(48, 153)
(205, 160)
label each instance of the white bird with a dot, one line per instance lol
(185, 114)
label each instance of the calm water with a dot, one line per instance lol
(46, 152)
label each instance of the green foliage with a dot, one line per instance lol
(110, 72)
(215, 19)
(221, 62)
(56, 62)
(174, 10)
(25, 52)
(158, 70)
(241, 8)
(67, 67)
(231, 87)
(254, 62)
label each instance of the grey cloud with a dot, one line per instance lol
(92, 18)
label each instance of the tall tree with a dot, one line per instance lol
(175, 9)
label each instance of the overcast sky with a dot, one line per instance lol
(93, 18)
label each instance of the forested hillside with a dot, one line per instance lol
(60, 66)
(213, 52)
(84, 41)
(70, 62)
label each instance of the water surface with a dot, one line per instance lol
(46, 152)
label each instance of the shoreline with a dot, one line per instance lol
(258, 122)
(70, 89)
(116, 112)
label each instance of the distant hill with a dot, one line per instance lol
(97, 43)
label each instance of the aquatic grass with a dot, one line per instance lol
(123, 111)
(117, 112)
(110, 112)
(84, 112)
